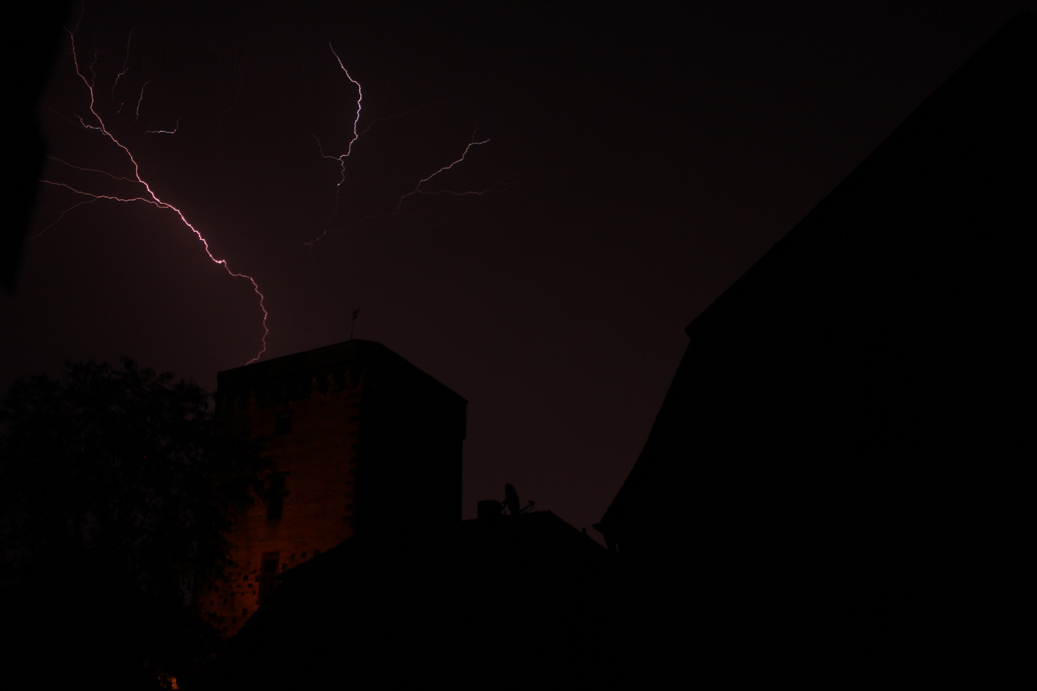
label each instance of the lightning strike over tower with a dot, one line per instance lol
(148, 195)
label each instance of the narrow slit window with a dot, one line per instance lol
(283, 423)
(275, 503)
(267, 575)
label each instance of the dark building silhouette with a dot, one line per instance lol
(834, 491)
(362, 442)
(505, 600)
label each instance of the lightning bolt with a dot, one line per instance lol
(149, 196)
(120, 178)
(417, 188)
(172, 131)
(140, 99)
(125, 63)
(356, 121)
(341, 159)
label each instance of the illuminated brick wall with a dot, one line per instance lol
(361, 440)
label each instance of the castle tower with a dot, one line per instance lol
(361, 441)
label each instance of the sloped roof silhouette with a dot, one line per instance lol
(838, 460)
(929, 238)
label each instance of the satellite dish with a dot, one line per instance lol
(511, 499)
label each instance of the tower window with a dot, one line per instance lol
(275, 502)
(267, 575)
(283, 423)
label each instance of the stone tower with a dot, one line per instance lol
(361, 441)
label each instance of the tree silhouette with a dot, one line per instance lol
(115, 496)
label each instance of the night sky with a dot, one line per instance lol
(639, 161)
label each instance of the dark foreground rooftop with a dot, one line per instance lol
(512, 596)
